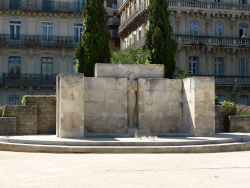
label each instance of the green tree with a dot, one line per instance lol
(130, 56)
(94, 45)
(159, 37)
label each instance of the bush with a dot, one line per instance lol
(2, 111)
(242, 109)
(227, 103)
(130, 56)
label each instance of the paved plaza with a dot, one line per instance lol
(226, 169)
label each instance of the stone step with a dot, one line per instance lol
(225, 147)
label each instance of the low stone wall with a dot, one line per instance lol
(221, 112)
(8, 126)
(239, 124)
(46, 113)
(26, 118)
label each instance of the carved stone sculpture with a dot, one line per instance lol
(132, 90)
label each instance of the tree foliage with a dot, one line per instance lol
(130, 56)
(159, 39)
(94, 45)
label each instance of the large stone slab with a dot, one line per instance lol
(70, 106)
(124, 70)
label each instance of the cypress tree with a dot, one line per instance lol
(159, 37)
(94, 45)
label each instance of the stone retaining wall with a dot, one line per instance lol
(7, 126)
(221, 112)
(26, 118)
(46, 113)
(239, 124)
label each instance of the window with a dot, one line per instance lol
(218, 1)
(47, 66)
(135, 36)
(244, 99)
(221, 98)
(194, 28)
(15, 29)
(243, 67)
(171, 23)
(78, 28)
(113, 5)
(126, 42)
(47, 31)
(140, 28)
(15, 65)
(130, 39)
(15, 4)
(219, 29)
(74, 66)
(243, 30)
(14, 100)
(78, 5)
(193, 65)
(243, 2)
(219, 66)
(47, 5)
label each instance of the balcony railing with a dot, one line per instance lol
(38, 40)
(231, 80)
(114, 20)
(42, 6)
(211, 41)
(29, 79)
(203, 41)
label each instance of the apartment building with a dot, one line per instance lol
(37, 42)
(212, 37)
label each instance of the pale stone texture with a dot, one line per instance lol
(70, 106)
(105, 105)
(124, 70)
(26, 118)
(198, 102)
(7, 126)
(239, 124)
(160, 105)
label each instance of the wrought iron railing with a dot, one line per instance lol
(113, 32)
(38, 40)
(115, 20)
(138, 43)
(29, 79)
(42, 6)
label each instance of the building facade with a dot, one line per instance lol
(37, 42)
(212, 37)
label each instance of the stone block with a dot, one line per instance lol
(177, 85)
(121, 108)
(124, 70)
(141, 133)
(88, 83)
(122, 83)
(104, 83)
(110, 107)
(93, 95)
(98, 107)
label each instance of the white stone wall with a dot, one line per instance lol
(160, 105)
(105, 105)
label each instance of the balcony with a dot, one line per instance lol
(139, 43)
(42, 6)
(114, 33)
(211, 41)
(113, 22)
(29, 79)
(231, 80)
(38, 41)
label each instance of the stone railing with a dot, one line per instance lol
(211, 41)
(231, 80)
(38, 40)
(42, 6)
(136, 13)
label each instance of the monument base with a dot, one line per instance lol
(131, 130)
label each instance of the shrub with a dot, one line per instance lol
(242, 109)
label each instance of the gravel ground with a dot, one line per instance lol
(229, 169)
